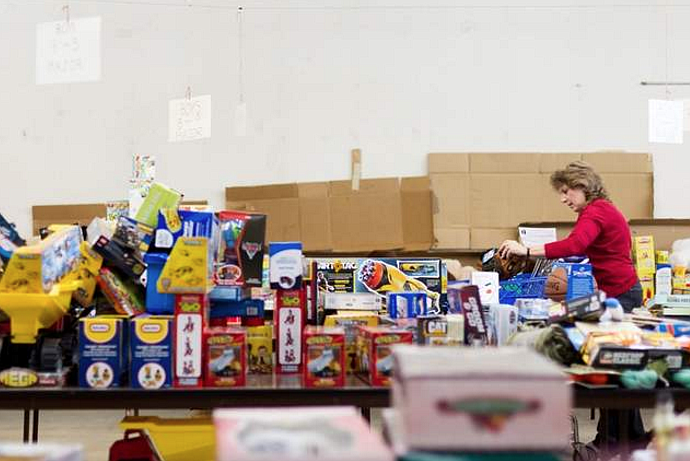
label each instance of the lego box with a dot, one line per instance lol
(324, 356)
(374, 352)
(102, 355)
(225, 356)
(152, 351)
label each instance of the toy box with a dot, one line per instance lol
(125, 259)
(159, 196)
(89, 265)
(121, 293)
(406, 305)
(643, 253)
(260, 349)
(132, 235)
(504, 321)
(157, 303)
(374, 353)
(476, 333)
(647, 283)
(102, 352)
(289, 321)
(488, 285)
(297, 433)
(432, 330)
(225, 356)
(241, 249)
(480, 399)
(173, 224)
(36, 268)
(189, 268)
(285, 267)
(349, 321)
(381, 276)
(152, 351)
(663, 281)
(324, 357)
(191, 318)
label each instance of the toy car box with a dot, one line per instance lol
(324, 356)
(374, 352)
(480, 399)
(225, 356)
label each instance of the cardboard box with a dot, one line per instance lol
(367, 219)
(619, 162)
(485, 238)
(505, 162)
(417, 224)
(191, 318)
(260, 349)
(632, 193)
(374, 352)
(552, 162)
(314, 216)
(289, 322)
(665, 231)
(643, 255)
(451, 205)
(552, 207)
(503, 200)
(453, 238)
(454, 390)
(449, 163)
(349, 321)
(45, 215)
(152, 352)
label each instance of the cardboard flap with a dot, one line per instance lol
(557, 161)
(45, 215)
(504, 162)
(415, 183)
(448, 163)
(366, 186)
(313, 189)
(272, 191)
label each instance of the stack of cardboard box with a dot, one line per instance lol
(480, 198)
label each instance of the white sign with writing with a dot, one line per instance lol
(68, 51)
(665, 121)
(189, 119)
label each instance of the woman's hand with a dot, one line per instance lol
(511, 248)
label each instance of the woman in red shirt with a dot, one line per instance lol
(601, 233)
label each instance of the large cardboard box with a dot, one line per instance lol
(619, 162)
(632, 193)
(482, 238)
(449, 163)
(665, 231)
(295, 212)
(452, 238)
(45, 215)
(383, 214)
(503, 200)
(505, 162)
(552, 207)
(552, 162)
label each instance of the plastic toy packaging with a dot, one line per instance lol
(382, 278)
(9, 240)
(241, 250)
(324, 356)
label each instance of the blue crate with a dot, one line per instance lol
(521, 286)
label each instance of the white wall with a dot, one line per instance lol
(397, 82)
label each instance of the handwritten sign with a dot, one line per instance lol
(68, 51)
(189, 119)
(665, 121)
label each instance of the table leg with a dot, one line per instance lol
(604, 418)
(34, 433)
(623, 431)
(26, 426)
(366, 414)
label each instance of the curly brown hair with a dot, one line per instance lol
(580, 175)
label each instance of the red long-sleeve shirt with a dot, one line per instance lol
(602, 234)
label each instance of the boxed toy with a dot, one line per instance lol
(663, 280)
(132, 235)
(505, 322)
(173, 224)
(488, 285)
(480, 399)
(191, 318)
(647, 283)
(36, 268)
(225, 355)
(381, 276)
(102, 352)
(406, 305)
(324, 357)
(432, 330)
(125, 259)
(189, 268)
(151, 352)
(643, 253)
(159, 196)
(289, 321)
(157, 303)
(349, 321)
(476, 333)
(89, 265)
(296, 433)
(285, 267)
(241, 249)
(260, 349)
(374, 353)
(121, 293)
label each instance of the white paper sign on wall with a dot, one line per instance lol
(189, 118)
(665, 121)
(68, 51)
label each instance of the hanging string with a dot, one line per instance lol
(240, 62)
(666, 45)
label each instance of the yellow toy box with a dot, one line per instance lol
(260, 349)
(643, 251)
(350, 320)
(189, 268)
(89, 265)
(36, 268)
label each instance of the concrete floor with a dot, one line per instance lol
(97, 430)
